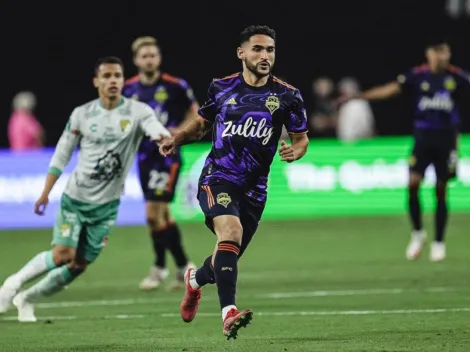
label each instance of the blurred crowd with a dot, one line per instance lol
(348, 122)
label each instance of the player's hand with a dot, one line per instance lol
(286, 152)
(41, 204)
(167, 147)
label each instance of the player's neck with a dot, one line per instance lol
(253, 80)
(111, 103)
(147, 80)
(436, 68)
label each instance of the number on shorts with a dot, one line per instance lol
(158, 180)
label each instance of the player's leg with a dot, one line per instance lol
(196, 279)
(164, 192)
(250, 215)
(55, 281)
(91, 240)
(419, 161)
(156, 227)
(65, 239)
(445, 165)
(175, 246)
(159, 234)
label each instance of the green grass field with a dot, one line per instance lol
(319, 285)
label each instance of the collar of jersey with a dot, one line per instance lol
(118, 105)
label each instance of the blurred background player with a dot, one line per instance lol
(90, 201)
(247, 110)
(435, 87)
(24, 130)
(173, 101)
(355, 117)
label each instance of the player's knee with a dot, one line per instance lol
(63, 255)
(77, 269)
(414, 181)
(228, 228)
(156, 219)
(441, 191)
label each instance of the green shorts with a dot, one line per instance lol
(84, 226)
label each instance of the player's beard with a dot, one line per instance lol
(149, 73)
(254, 69)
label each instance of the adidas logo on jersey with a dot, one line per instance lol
(231, 101)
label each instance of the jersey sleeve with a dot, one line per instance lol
(209, 110)
(127, 91)
(296, 121)
(406, 78)
(465, 81)
(187, 95)
(150, 125)
(67, 143)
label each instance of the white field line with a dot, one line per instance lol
(279, 295)
(341, 312)
(371, 292)
(268, 314)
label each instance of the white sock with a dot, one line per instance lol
(192, 280)
(225, 310)
(37, 266)
(53, 282)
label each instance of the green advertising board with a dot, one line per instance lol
(334, 178)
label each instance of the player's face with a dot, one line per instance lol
(439, 55)
(258, 54)
(148, 59)
(109, 80)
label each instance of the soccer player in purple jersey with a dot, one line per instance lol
(247, 111)
(435, 87)
(173, 101)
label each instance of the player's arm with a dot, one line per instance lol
(390, 89)
(299, 144)
(199, 124)
(381, 92)
(192, 131)
(191, 113)
(151, 126)
(188, 100)
(296, 125)
(195, 128)
(63, 152)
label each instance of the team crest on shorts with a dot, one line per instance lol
(223, 199)
(65, 230)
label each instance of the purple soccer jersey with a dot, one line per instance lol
(171, 98)
(435, 96)
(247, 126)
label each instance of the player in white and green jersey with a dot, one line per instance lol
(108, 131)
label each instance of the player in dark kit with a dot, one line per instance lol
(247, 112)
(435, 87)
(174, 102)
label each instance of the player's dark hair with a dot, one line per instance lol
(108, 60)
(435, 42)
(252, 30)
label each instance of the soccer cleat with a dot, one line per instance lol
(25, 309)
(190, 303)
(6, 298)
(235, 320)
(154, 279)
(179, 282)
(415, 247)
(438, 252)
